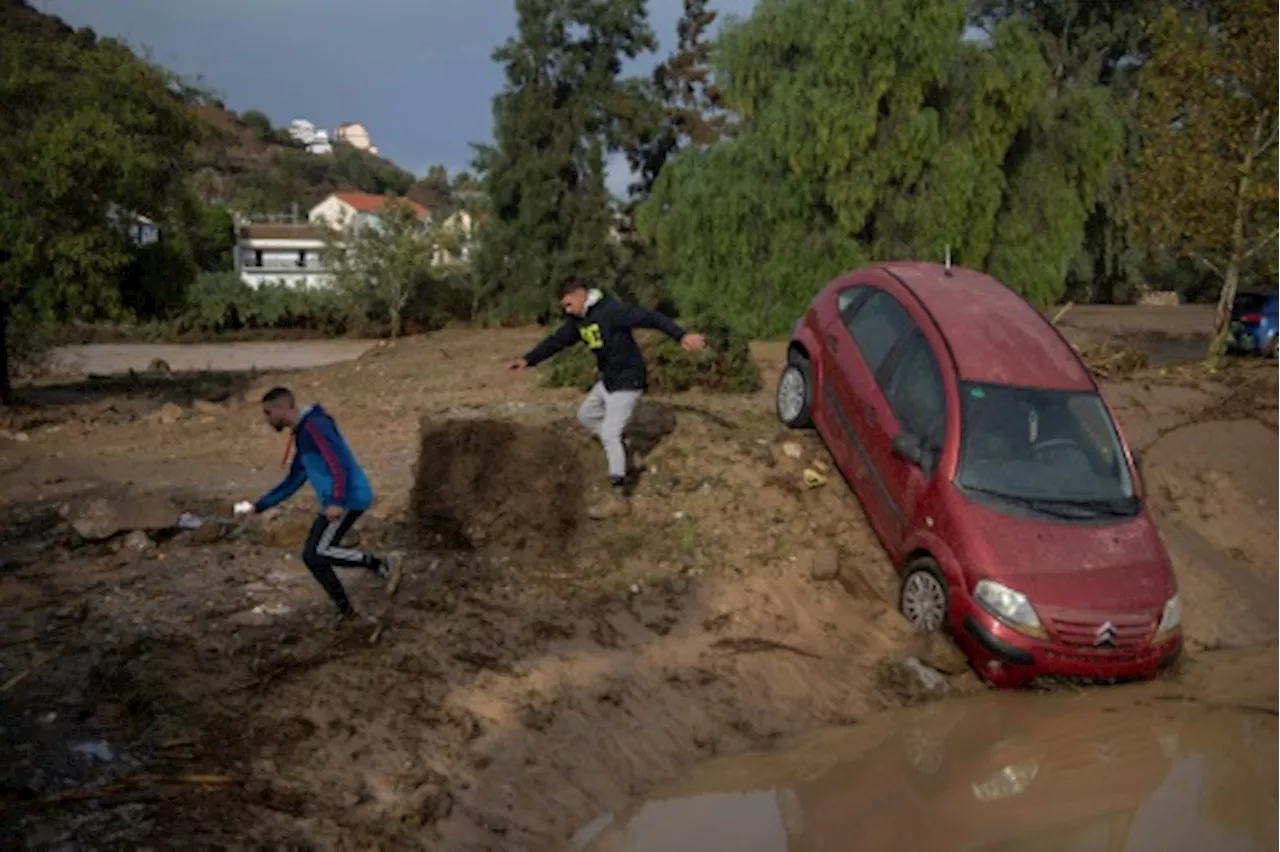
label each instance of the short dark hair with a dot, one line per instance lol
(278, 394)
(572, 285)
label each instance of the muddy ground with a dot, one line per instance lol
(178, 692)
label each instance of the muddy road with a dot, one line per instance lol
(175, 691)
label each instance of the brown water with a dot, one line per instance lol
(1111, 771)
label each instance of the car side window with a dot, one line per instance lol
(915, 393)
(877, 324)
(848, 300)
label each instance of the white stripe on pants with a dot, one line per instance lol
(607, 415)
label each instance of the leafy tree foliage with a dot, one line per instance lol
(1207, 183)
(90, 137)
(564, 108)
(383, 265)
(874, 131)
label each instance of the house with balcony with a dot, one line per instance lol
(292, 255)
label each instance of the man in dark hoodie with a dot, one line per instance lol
(605, 325)
(322, 456)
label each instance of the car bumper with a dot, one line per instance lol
(1005, 657)
(1250, 340)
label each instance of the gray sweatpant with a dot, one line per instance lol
(607, 415)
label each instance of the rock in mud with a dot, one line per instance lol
(927, 681)
(138, 541)
(100, 518)
(168, 413)
(938, 652)
(824, 565)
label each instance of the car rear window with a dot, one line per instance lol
(1248, 303)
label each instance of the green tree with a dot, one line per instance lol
(259, 124)
(1207, 181)
(690, 109)
(383, 265)
(845, 151)
(563, 109)
(90, 137)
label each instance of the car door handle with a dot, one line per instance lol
(833, 342)
(870, 411)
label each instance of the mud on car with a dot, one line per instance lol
(991, 469)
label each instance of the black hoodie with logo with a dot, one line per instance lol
(606, 328)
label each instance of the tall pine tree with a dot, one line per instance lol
(691, 110)
(565, 107)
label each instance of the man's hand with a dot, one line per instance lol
(333, 512)
(517, 366)
(693, 342)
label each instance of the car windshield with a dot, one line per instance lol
(1044, 448)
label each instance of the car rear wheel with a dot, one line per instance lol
(924, 598)
(794, 398)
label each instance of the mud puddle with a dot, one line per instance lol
(1133, 768)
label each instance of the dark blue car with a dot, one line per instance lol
(1254, 323)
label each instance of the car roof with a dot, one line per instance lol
(994, 335)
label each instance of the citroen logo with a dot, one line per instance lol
(1106, 635)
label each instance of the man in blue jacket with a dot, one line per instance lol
(605, 325)
(322, 456)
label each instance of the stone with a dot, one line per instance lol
(138, 541)
(824, 565)
(792, 450)
(929, 681)
(204, 406)
(168, 413)
(938, 652)
(100, 518)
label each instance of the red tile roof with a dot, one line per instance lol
(367, 202)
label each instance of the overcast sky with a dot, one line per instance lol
(417, 73)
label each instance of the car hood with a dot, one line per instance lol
(1116, 563)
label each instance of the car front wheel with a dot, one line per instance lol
(924, 598)
(795, 394)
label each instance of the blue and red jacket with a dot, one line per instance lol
(321, 456)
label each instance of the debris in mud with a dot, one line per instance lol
(824, 565)
(938, 652)
(100, 518)
(1108, 360)
(496, 484)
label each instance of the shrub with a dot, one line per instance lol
(221, 302)
(724, 366)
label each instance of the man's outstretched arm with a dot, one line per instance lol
(560, 339)
(288, 486)
(634, 316)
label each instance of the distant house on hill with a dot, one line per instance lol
(292, 255)
(356, 135)
(342, 209)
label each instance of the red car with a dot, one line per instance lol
(991, 469)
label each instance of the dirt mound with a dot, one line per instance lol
(496, 485)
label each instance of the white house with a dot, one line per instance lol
(304, 132)
(356, 135)
(459, 226)
(281, 254)
(346, 208)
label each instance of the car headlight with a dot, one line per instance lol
(1008, 605)
(1171, 618)
(1008, 782)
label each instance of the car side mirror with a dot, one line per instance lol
(908, 448)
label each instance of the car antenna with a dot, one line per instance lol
(947, 266)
